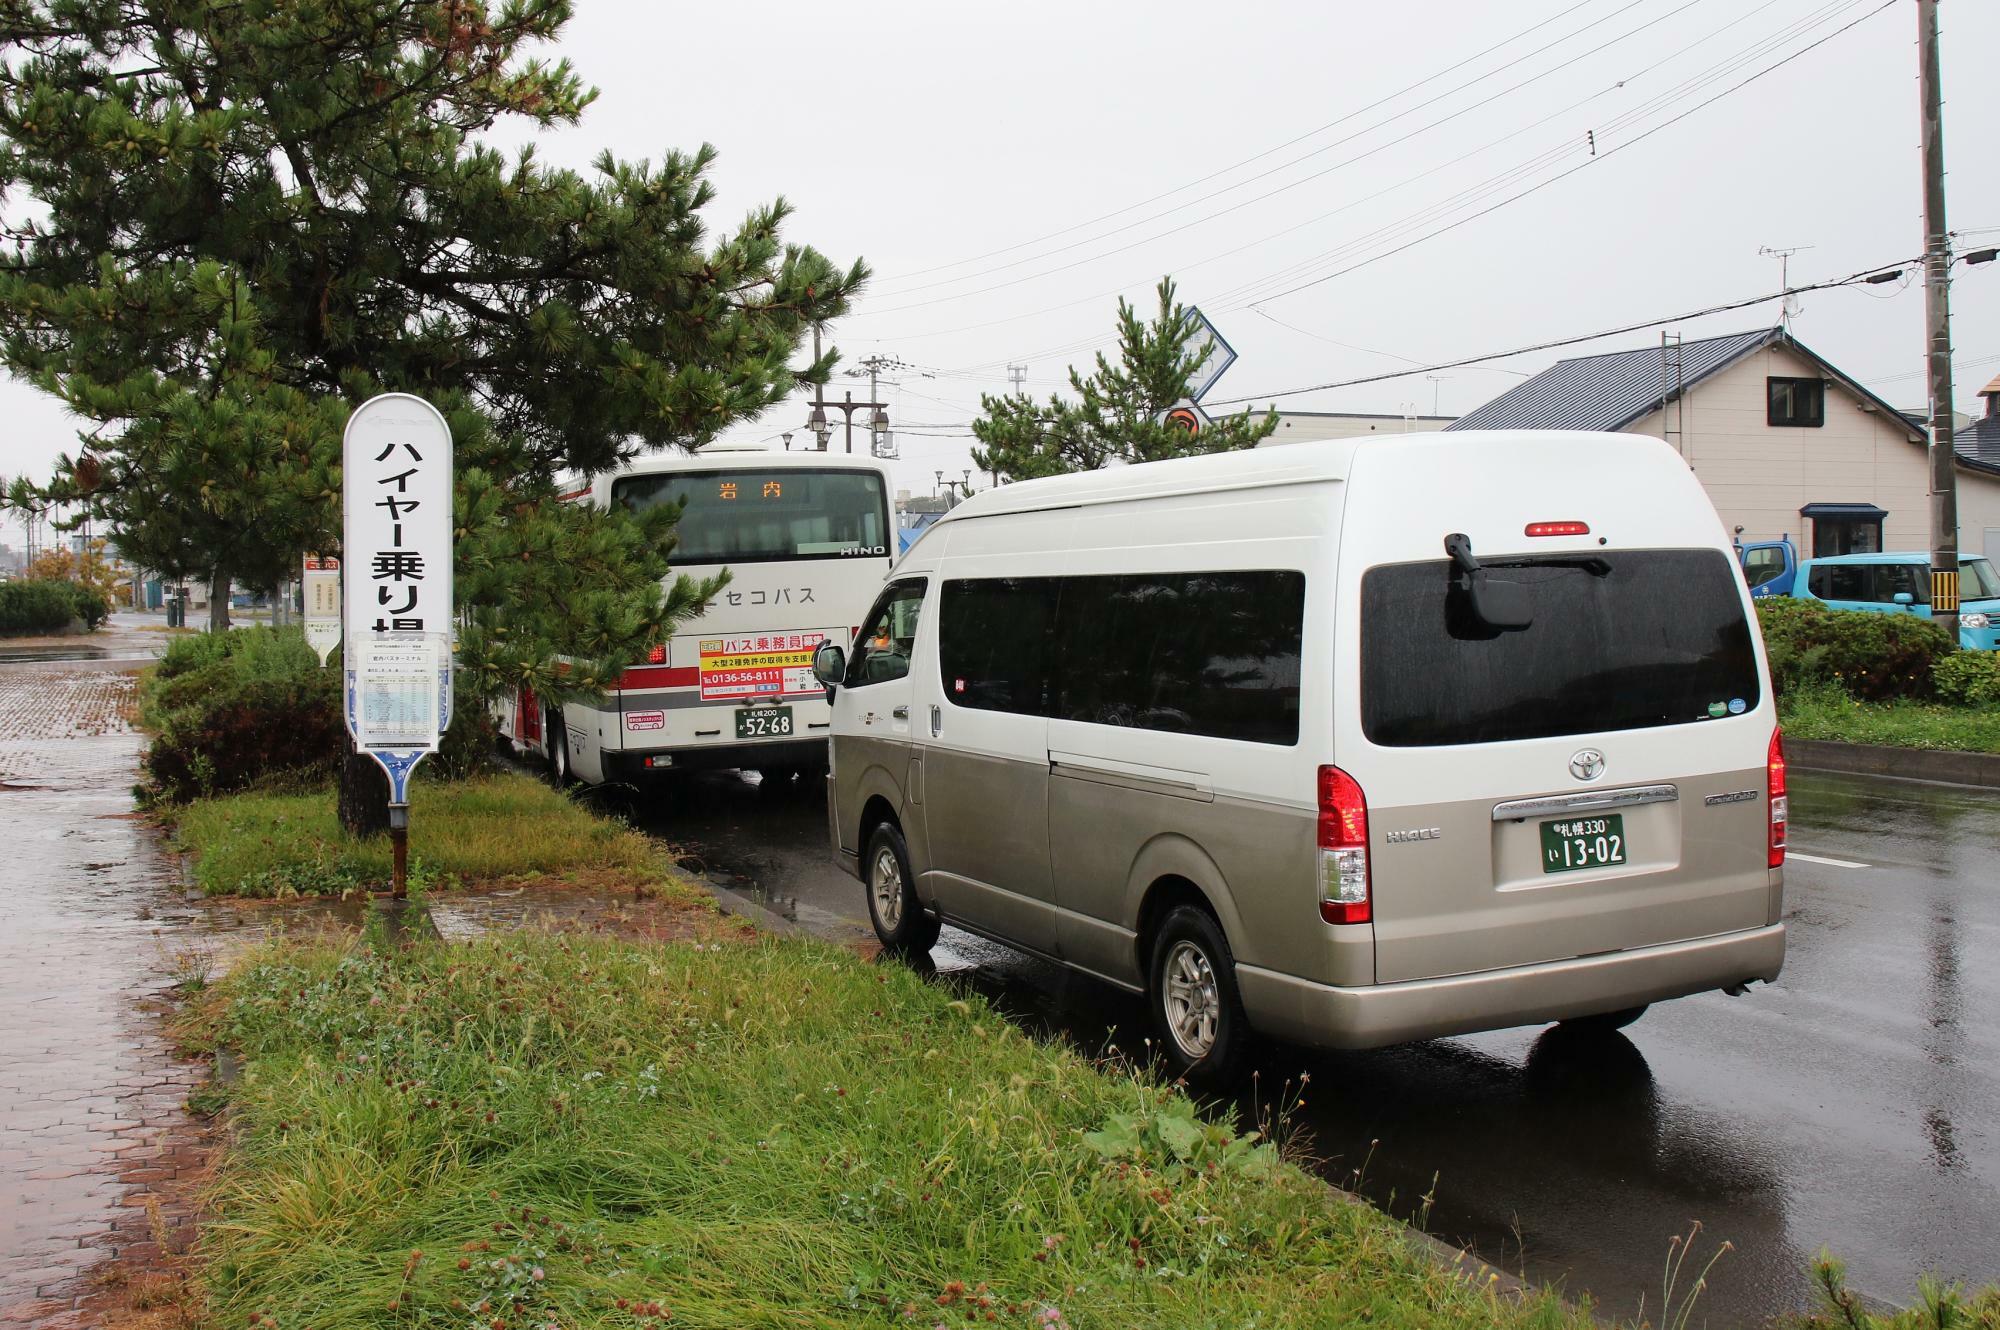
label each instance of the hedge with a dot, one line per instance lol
(231, 710)
(48, 606)
(1873, 657)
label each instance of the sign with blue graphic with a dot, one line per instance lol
(1221, 355)
(397, 604)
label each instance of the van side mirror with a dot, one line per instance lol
(829, 666)
(1905, 598)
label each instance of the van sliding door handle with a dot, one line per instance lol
(937, 721)
(901, 713)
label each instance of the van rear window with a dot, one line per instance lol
(1622, 640)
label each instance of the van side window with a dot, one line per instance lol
(994, 642)
(1841, 581)
(1214, 654)
(882, 647)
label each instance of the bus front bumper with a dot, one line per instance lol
(1382, 1014)
(628, 764)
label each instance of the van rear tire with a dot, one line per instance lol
(901, 924)
(1191, 987)
(1604, 1022)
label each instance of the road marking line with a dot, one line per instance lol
(1833, 863)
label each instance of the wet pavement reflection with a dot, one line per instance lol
(1854, 1105)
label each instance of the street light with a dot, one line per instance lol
(816, 422)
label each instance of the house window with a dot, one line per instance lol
(1796, 402)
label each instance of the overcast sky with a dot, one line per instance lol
(1009, 173)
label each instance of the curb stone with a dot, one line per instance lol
(1980, 770)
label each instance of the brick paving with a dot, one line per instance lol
(93, 1136)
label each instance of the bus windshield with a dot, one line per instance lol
(746, 515)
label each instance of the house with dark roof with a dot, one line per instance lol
(1783, 441)
(1978, 445)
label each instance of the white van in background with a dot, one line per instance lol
(1351, 743)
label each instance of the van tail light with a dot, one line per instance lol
(1774, 769)
(658, 654)
(1558, 529)
(1343, 849)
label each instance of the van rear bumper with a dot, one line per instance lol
(1319, 1014)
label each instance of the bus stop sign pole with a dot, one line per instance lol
(396, 600)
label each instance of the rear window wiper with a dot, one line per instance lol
(1590, 563)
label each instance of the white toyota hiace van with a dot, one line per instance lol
(1349, 743)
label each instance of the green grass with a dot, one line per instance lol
(1825, 712)
(265, 843)
(775, 1134)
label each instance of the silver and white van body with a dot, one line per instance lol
(1351, 743)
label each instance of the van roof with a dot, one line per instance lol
(1254, 468)
(1891, 556)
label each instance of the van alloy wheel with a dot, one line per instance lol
(885, 879)
(1192, 1005)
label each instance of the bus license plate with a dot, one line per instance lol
(1583, 842)
(764, 723)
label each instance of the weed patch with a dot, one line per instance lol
(539, 1129)
(281, 843)
(1825, 711)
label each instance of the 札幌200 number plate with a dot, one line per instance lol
(764, 723)
(1583, 842)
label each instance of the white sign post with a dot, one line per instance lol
(397, 546)
(1219, 360)
(321, 583)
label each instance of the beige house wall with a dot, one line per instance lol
(1759, 475)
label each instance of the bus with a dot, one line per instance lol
(806, 539)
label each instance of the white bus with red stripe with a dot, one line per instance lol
(806, 539)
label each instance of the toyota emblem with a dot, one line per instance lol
(1588, 764)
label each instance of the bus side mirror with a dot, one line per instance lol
(829, 666)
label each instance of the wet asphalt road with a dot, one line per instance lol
(1854, 1105)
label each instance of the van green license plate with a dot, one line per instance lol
(764, 723)
(1583, 842)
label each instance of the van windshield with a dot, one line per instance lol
(1622, 640)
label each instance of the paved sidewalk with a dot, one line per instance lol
(90, 1096)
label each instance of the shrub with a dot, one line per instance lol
(48, 606)
(254, 706)
(1968, 678)
(233, 709)
(1875, 657)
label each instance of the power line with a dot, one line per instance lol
(1331, 124)
(1268, 194)
(1401, 226)
(1851, 279)
(1584, 164)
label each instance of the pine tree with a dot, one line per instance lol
(232, 222)
(1116, 417)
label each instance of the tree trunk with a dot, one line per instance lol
(364, 796)
(218, 601)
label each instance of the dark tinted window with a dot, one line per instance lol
(1657, 638)
(995, 637)
(1871, 583)
(1196, 653)
(1799, 402)
(745, 515)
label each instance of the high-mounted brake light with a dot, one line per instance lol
(658, 654)
(1774, 777)
(1558, 528)
(1343, 849)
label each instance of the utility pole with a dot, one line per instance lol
(1017, 380)
(1937, 322)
